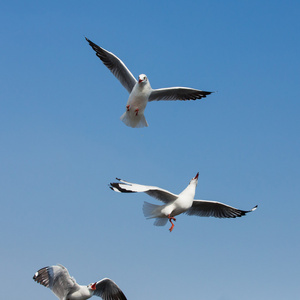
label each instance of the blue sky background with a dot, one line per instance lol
(62, 143)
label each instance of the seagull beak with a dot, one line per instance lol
(93, 286)
(140, 80)
(196, 177)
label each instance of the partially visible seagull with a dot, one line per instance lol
(58, 279)
(177, 204)
(140, 91)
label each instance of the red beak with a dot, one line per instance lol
(196, 177)
(93, 286)
(140, 80)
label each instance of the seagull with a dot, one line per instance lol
(177, 204)
(140, 91)
(58, 279)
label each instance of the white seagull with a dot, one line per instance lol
(58, 279)
(177, 204)
(140, 91)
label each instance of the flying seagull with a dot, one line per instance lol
(58, 279)
(140, 91)
(177, 204)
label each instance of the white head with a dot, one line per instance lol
(195, 179)
(143, 78)
(92, 286)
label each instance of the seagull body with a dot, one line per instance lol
(140, 91)
(136, 104)
(177, 204)
(65, 287)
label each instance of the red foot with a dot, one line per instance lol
(127, 107)
(136, 111)
(170, 219)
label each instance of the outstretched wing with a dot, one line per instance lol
(116, 66)
(58, 279)
(153, 191)
(108, 290)
(204, 208)
(177, 93)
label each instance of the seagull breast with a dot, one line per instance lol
(82, 294)
(138, 98)
(140, 94)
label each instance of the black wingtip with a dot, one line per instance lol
(91, 43)
(115, 186)
(43, 277)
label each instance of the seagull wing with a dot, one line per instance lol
(58, 279)
(153, 191)
(204, 208)
(116, 66)
(177, 93)
(108, 290)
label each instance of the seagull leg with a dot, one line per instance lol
(170, 219)
(136, 111)
(127, 107)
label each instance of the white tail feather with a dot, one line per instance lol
(160, 221)
(134, 121)
(154, 211)
(150, 209)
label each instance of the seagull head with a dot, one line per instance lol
(142, 78)
(92, 286)
(195, 179)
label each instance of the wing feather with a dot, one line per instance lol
(177, 93)
(153, 191)
(116, 66)
(108, 290)
(215, 209)
(58, 279)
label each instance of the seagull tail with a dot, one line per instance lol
(134, 121)
(154, 211)
(160, 221)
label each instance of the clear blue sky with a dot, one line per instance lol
(62, 143)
